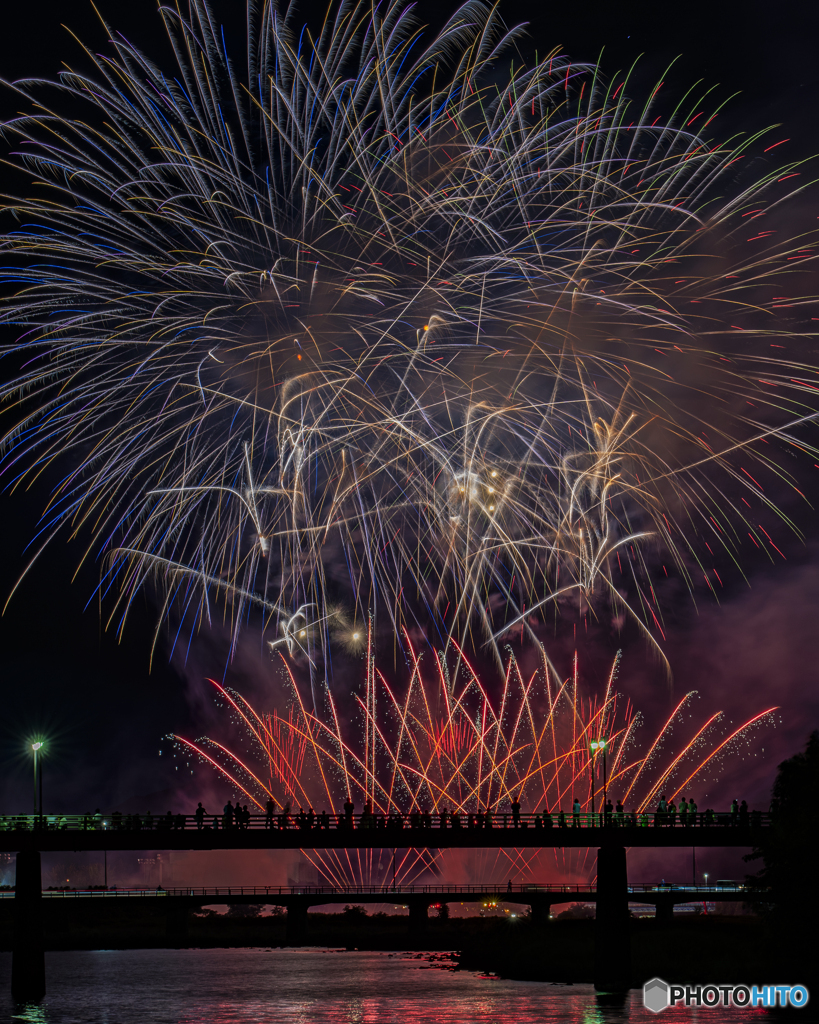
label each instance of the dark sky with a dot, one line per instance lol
(94, 694)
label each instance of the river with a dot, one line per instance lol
(310, 986)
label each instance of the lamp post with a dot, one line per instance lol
(38, 779)
(601, 746)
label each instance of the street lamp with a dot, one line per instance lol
(601, 746)
(36, 747)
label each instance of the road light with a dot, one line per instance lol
(38, 777)
(600, 747)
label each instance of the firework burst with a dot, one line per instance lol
(362, 325)
(429, 747)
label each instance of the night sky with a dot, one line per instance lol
(92, 692)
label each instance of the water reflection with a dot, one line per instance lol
(33, 1013)
(311, 986)
(609, 1008)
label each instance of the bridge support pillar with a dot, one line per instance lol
(296, 923)
(176, 921)
(418, 916)
(664, 911)
(539, 912)
(612, 940)
(28, 957)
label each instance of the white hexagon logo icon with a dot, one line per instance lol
(655, 995)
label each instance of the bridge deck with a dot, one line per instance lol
(87, 832)
(319, 894)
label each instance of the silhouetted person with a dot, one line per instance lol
(547, 818)
(227, 815)
(576, 813)
(516, 812)
(324, 820)
(509, 885)
(349, 807)
(269, 810)
(199, 815)
(692, 812)
(743, 813)
(488, 818)
(734, 811)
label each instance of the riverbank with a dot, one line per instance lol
(697, 949)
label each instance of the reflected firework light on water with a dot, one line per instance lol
(434, 746)
(360, 325)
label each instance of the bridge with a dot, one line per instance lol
(611, 834)
(179, 901)
(75, 832)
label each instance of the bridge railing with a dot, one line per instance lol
(504, 891)
(414, 822)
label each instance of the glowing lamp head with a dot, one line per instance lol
(37, 745)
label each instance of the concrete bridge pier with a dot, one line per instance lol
(296, 922)
(418, 915)
(28, 956)
(612, 939)
(663, 910)
(176, 921)
(539, 911)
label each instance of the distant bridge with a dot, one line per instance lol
(179, 901)
(511, 892)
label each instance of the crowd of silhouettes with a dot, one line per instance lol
(237, 816)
